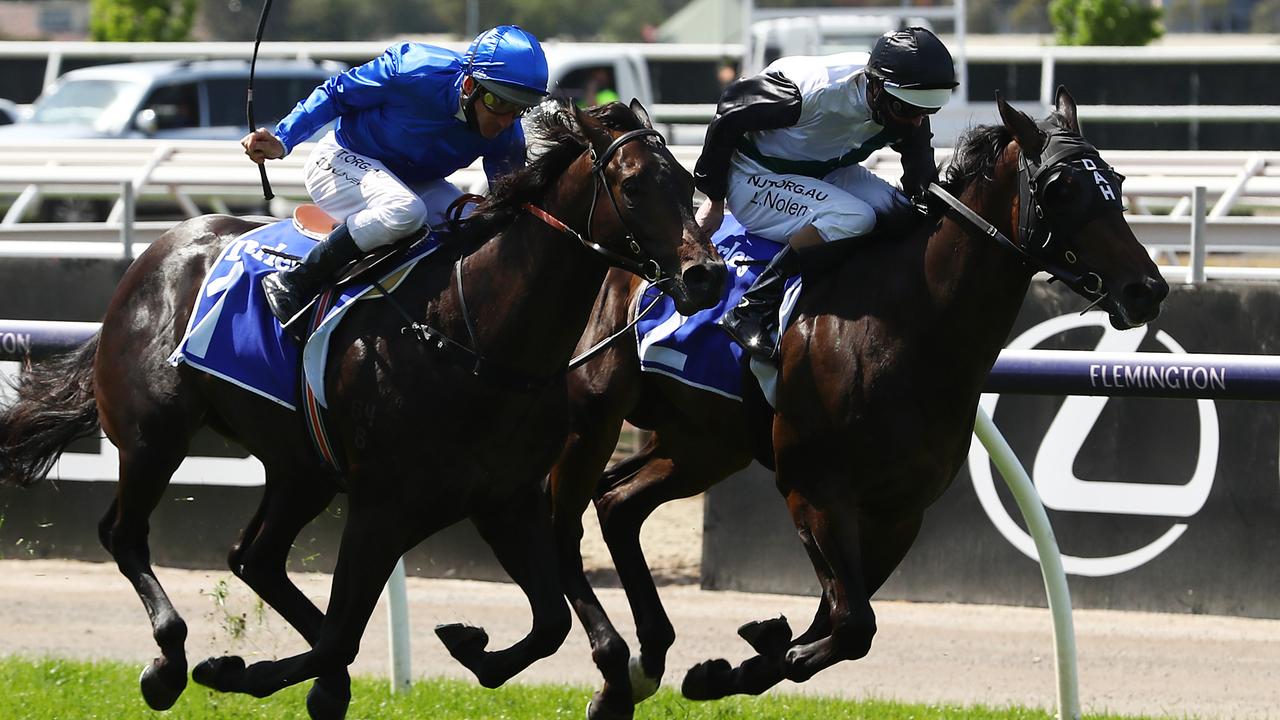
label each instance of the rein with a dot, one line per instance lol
(645, 267)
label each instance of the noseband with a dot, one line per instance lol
(1046, 237)
(638, 263)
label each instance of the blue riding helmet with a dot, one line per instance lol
(508, 62)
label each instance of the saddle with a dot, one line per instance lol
(316, 224)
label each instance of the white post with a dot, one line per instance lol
(52, 69)
(1196, 274)
(126, 222)
(1055, 579)
(398, 629)
(1047, 88)
(961, 29)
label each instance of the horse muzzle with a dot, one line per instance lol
(1138, 303)
(699, 285)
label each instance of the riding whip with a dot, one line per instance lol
(253, 62)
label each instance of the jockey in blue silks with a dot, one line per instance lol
(406, 121)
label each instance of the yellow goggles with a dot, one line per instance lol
(498, 106)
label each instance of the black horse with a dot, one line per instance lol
(431, 434)
(877, 391)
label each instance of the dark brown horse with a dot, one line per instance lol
(879, 381)
(430, 436)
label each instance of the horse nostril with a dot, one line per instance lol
(699, 279)
(1159, 288)
(1136, 291)
(1149, 290)
(1144, 297)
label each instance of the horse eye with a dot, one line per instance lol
(631, 189)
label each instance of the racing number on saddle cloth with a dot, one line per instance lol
(844, 204)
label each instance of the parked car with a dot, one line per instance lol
(168, 99)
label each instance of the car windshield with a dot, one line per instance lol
(78, 102)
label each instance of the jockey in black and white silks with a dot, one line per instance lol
(784, 149)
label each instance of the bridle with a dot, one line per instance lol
(638, 263)
(1048, 237)
(1044, 239)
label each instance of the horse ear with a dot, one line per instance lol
(641, 113)
(596, 133)
(1030, 138)
(1067, 108)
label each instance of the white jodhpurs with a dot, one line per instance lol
(845, 203)
(377, 206)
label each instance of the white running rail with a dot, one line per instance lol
(1242, 190)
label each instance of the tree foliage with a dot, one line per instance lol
(1105, 22)
(1266, 17)
(141, 20)
(320, 20)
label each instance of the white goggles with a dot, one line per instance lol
(930, 99)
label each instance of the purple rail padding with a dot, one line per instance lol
(37, 338)
(1028, 372)
(1168, 375)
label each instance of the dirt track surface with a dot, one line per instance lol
(1129, 662)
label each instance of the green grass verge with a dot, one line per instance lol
(72, 690)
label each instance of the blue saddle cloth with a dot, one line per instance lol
(232, 333)
(694, 349)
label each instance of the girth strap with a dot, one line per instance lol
(312, 412)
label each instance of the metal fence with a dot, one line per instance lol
(1241, 193)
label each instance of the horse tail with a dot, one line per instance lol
(55, 407)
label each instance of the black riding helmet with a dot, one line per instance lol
(914, 67)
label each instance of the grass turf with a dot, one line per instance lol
(74, 690)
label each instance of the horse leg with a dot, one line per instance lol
(860, 552)
(573, 481)
(521, 536)
(145, 469)
(636, 486)
(837, 544)
(372, 541)
(260, 557)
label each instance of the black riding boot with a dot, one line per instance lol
(753, 322)
(289, 291)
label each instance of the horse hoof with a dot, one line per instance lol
(162, 683)
(797, 666)
(325, 703)
(221, 673)
(598, 709)
(465, 643)
(770, 638)
(642, 685)
(708, 680)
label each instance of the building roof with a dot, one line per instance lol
(704, 21)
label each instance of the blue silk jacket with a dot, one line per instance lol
(402, 108)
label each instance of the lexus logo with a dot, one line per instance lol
(1054, 476)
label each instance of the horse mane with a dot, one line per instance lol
(980, 147)
(554, 134)
(975, 156)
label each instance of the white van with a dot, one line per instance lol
(818, 35)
